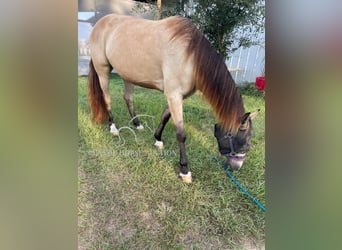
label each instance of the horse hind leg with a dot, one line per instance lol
(128, 96)
(104, 74)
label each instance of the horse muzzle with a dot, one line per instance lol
(234, 162)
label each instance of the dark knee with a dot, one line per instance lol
(181, 136)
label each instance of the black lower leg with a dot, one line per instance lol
(136, 121)
(110, 118)
(181, 137)
(164, 119)
(130, 107)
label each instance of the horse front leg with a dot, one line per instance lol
(158, 134)
(176, 110)
(184, 173)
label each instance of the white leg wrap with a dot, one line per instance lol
(114, 130)
(186, 177)
(159, 144)
(140, 127)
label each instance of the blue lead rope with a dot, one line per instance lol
(256, 202)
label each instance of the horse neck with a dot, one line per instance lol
(211, 75)
(219, 88)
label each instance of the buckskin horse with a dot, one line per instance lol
(174, 57)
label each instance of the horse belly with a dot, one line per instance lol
(146, 75)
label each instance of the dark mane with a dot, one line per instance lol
(211, 75)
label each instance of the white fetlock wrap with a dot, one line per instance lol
(114, 130)
(186, 177)
(140, 127)
(159, 144)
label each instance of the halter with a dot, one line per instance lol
(232, 152)
(230, 140)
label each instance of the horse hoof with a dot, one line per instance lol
(140, 127)
(115, 133)
(186, 177)
(159, 144)
(114, 130)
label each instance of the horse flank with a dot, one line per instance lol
(211, 75)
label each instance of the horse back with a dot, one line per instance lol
(141, 51)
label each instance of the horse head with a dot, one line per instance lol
(235, 147)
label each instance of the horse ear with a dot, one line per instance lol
(247, 116)
(254, 114)
(244, 118)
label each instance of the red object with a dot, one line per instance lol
(260, 83)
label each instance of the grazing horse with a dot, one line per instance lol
(172, 56)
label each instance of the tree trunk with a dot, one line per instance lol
(159, 3)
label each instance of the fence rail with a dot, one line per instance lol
(247, 63)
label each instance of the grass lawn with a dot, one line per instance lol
(130, 196)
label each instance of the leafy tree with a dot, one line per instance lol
(229, 24)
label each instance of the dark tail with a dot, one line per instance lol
(97, 104)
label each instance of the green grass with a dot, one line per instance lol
(130, 196)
